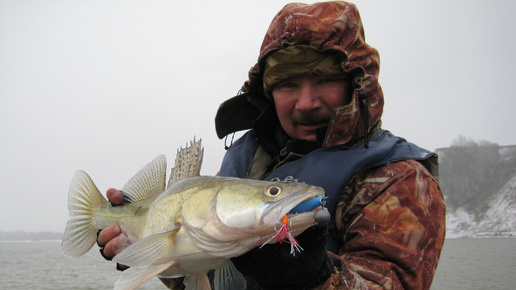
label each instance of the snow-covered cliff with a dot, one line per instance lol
(479, 184)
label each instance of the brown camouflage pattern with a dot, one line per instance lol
(391, 220)
(330, 27)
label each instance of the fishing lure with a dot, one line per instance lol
(284, 234)
(321, 218)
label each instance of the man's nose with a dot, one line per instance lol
(308, 99)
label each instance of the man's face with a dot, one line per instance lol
(305, 104)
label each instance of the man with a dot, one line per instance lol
(314, 106)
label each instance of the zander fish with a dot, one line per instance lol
(194, 226)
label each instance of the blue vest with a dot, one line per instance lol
(330, 168)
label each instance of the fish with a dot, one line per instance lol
(193, 224)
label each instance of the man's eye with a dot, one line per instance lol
(286, 85)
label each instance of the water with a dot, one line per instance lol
(488, 263)
(41, 265)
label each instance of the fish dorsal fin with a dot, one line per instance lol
(148, 183)
(188, 162)
(227, 277)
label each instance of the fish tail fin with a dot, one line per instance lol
(84, 200)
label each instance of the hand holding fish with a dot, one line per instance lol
(111, 239)
(107, 239)
(274, 266)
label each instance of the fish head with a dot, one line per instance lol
(244, 213)
(255, 204)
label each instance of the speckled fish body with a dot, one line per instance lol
(195, 225)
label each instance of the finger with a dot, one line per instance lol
(101, 250)
(109, 249)
(115, 246)
(115, 196)
(122, 243)
(107, 235)
(119, 243)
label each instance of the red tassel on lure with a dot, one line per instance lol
(283, 232)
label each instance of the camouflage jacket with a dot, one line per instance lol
(392, 221)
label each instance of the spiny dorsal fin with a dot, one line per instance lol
(188, 162)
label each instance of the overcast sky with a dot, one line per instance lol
(105, 86)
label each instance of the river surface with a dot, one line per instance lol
(486, 263)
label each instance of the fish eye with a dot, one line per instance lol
(273, 190)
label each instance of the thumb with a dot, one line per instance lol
(115, 196)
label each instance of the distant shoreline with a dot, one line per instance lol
(21, 236)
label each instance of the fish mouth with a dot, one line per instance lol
(302, 216)
(300, 211)
(299, 207)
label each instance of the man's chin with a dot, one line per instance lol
(308, 132)
(308, 136)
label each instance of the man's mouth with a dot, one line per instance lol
(311, 127)
(312, 121)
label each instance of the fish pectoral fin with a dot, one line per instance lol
(148, 250)
(227, 277)
(197, 282)
(148, 183)
(135, 276)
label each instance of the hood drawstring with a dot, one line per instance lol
(362, 95)
(226, 147)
